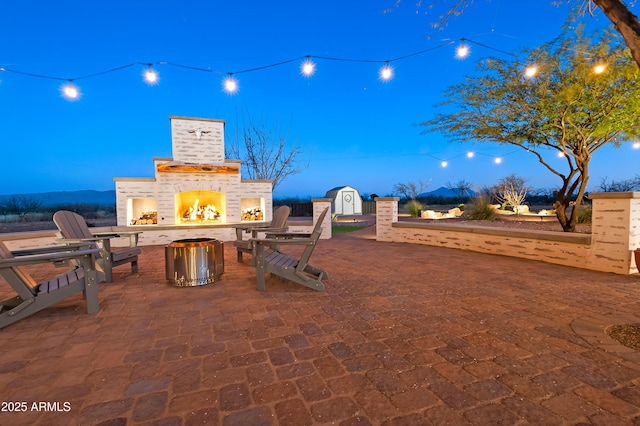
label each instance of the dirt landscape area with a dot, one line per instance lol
(500, 222)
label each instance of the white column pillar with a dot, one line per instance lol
(615, 229)
(386, 215)
(319, 204)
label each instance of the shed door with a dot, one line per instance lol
(348, 202)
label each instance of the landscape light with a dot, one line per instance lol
(308, 67)
(70, 91)
(151, 76)
(230, 84)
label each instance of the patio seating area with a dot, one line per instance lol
(403, 334)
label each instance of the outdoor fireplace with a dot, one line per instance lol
(197, 186)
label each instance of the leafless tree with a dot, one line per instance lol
(618, 12)
(511, 190)
(626, 185)
(20, 205)
(411, 190)
(462, 189)
(264, 150)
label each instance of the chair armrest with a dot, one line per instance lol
(133, 236)
(256, 231)
(44, 258)
(82, 240)
(277, 242)
(51, 249)
(288, 235)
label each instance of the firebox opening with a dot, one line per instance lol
(200, 206)
(252, 208)
(142, 211)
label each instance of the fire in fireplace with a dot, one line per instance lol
(199, 206)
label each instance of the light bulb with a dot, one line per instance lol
(386, 73)
(470, 154)
(497, 160)
(308, 68)
(462, 51)
(444, 163)
(230, 84)
(151, 76)
(71, 92)
(531, 71)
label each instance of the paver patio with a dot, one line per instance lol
(404, 335)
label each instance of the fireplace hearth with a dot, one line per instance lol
(197, 186)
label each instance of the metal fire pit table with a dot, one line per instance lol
(194, 261)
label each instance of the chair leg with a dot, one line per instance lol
(108, 270)
(239, 256)
(260, 267)
(134, 266)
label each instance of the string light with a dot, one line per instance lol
(71, 91)
(151, 77)
(444, 163)
(386, 72)
(531, 71)
(470, 154)
(497, 160)
(230, 84)
(308, 67)
(599, 68)
(462, 51)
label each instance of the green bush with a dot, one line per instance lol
(414, 208)
(584, 216)
(481, 209)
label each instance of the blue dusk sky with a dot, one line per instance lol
(354, 129)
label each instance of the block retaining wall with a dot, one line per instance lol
(609, 248)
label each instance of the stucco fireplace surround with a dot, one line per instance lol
(197, 187)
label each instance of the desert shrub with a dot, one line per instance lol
(414, 208)
(481, 209)
(584, 216)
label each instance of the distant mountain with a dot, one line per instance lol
(49, 199)
(446, 193)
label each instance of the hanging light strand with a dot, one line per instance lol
(209, 70)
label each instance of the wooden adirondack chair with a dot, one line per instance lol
(32, 296)
(270, 259)
(73, 229)
(278, 224)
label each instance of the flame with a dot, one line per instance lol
(203, 213)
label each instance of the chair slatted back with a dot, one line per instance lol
(71, 225)
(280, 216)
(17, 276)
(315, 235)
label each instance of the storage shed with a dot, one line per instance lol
(346, 200)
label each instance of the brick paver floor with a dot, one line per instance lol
(403, 335)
